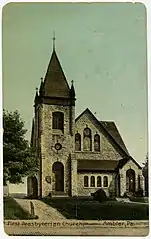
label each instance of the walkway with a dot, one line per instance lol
(42, 210)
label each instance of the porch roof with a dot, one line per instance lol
(97, 165)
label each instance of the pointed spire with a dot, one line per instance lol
(55, 83)
(36, 95)
(53, 39)
(41, 91)
(72, 90)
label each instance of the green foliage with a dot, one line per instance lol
(81, 209)
(145, 168)
(12, 210)
(100, 195)
(146, 176)
(19, 159)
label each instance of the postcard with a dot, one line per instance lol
(75, 156)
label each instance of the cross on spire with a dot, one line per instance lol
(54, 38)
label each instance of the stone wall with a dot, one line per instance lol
(49, 137)
(46, 138)
(130, 165)
(74, 176)
(86, 191)
(107, 150)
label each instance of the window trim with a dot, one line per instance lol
(92, 176)
(100, 181)
(106, 181)
(89, 136)
(79, 140)
(87, 177)
(60, 118)
(98, 141)
(95, 181)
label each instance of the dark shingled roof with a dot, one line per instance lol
(55, 83)
(97, 165)
(123, 161)
(113, 131)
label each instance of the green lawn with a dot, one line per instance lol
(13, 211)
(93, 210)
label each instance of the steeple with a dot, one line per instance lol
(54, 38)
(55, 83)
(36, 96)
(72, 90)
(41, 89)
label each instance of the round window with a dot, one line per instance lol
(58, 146)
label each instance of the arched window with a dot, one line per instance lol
(77, 142)
(92, 181)
(86, 183)
(96, 142)
(105, 181)
(99, 181)
(130, 180)
(87, 141)
(57, 120)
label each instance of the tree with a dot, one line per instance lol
(145, 174)
(19, 159)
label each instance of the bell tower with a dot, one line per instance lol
(54, 129)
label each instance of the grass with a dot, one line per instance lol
(13, 211)
(93, 210)
(138, 199)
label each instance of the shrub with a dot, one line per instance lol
(100, 195)
(138, 193)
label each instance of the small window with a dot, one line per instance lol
(87, 140)
(77, 142)
(92, 181)
(86, 181)
(99, 183)
(58, 120)
(96, 142)
(105, 181)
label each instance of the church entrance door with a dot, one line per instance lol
(130, 180)
(32, 187)
(58, 170)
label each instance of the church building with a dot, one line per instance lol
(76, 155)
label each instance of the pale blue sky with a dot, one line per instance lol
(102, 47)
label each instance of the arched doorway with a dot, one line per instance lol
(32, 187)
(130, 180)
(58, 170)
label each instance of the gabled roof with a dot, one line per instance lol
(123, 161)
(55, 83)
(111, 130)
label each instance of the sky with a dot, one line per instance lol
(101, 47)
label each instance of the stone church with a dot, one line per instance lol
(77, 156)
